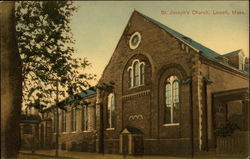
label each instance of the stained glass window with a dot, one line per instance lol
(172, 110)
(136, 74)
(130, 76)
(142, 73)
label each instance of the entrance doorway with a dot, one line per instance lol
(131, 141)
(230, 121)
(125, 145)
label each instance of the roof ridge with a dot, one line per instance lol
(232, 52)
(83, 94)
(204, 50)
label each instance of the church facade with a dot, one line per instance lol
(170, 94)
(165, 86)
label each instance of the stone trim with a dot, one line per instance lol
(109, 139)
(182, 74)
(231, 91)
(197, 81)
(136, 95)
(187, 138)
(133, 47)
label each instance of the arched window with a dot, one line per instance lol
(136, 74)
(73, 119)
(142, 67)
(172, 107)
(85, 118)
(130, 78)
(111, 111)
(168, 96)
(176, 109)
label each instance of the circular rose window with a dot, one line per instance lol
(135, 40)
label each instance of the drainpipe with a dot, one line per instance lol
(192, 118)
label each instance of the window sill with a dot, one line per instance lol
(86, 131)
(64, 133)
(172, 124)
(110, 128)
(137, 86)
(73, 132)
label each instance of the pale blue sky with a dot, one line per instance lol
(97, 26)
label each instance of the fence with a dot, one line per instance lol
(238, 143)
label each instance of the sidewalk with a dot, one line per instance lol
(50, 154)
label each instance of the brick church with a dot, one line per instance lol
(170, 94)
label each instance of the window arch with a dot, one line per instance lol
(172, 97)
(136, 74)
(111, 111)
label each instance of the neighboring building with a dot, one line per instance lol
(76, 123)
(170, 96)
(29, 129)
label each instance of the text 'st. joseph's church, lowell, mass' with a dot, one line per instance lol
(171, 96)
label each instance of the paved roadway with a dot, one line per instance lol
(84, 155)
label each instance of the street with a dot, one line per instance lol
(50, 154)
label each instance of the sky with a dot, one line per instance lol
(98, 26)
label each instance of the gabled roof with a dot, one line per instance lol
(131, 130)
(87, 93)
(82, 95)
(202, 49)
(232, 53)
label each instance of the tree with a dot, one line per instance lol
(45, 43)
(11, 83)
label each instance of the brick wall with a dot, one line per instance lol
(78, 140)
(163, 57)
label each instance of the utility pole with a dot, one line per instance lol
(101, 137)
(57, 119)
(101, 123)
